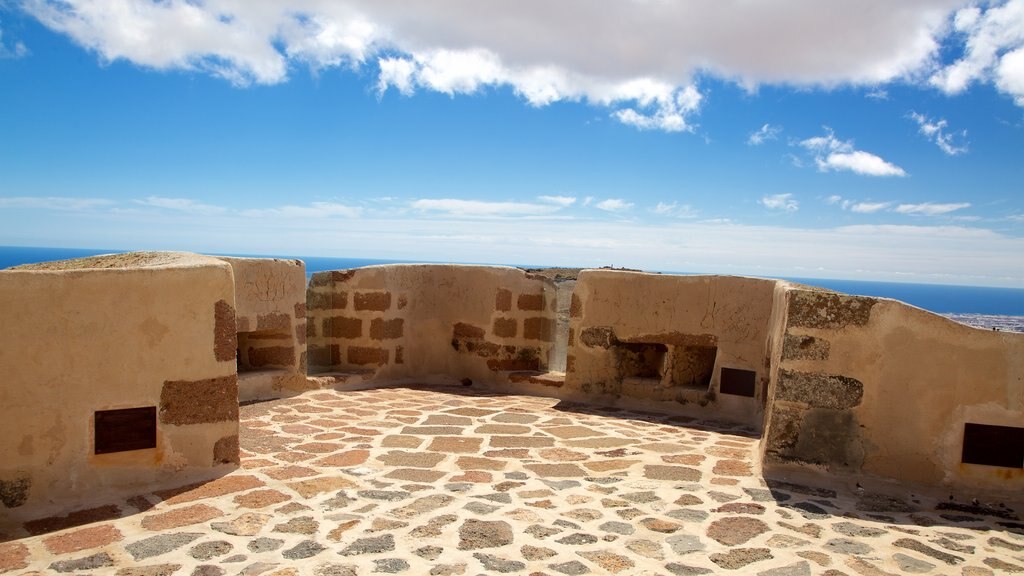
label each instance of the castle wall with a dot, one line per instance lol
(698, 342)
(270, 317)
(430, 321)
(78, 346)
(871, 387)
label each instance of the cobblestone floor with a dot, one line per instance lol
(443, 481)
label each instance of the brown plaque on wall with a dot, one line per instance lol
(993, 445)
(125, 429)
(738, 382)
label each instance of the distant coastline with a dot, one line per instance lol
(984, 307)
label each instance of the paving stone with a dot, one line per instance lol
(646, 548)
(415, 475)
(736, 530)
(541, 532)
(155, 570)
(688, 515)
(1003, 565)
(401, 442)
(160, 544)
(261, 498)
(207, 550)
(480, 508)
(301, 525)
(517, 442)
(219, 487)
(304, 549)
(572, 568)
(374, 545)
(659, 525)
(911, 544)
(683, 570)
(679, 473)
(310, 488)
(739, 557)
(93, 562)
(500, 497)
(1005, 544)
(345, 459)
(533, 553)
(429, 552)
(785, 541)
(180, 517)
(502, 429)
(911, 564)
(263, 544)
(256, 568)
(608, 561)
(577, 539)
(497, 564)
(477, 534)
(819, 558)
(13, 556)
(477, 463)
(848, 546)
(208, 570)
(685, 544)
(798, 569)
(857, 531)
(385, 495)
(78, 540)
(423, 505)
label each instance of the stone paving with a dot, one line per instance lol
(448, 481)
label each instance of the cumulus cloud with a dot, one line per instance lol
(993, 50)
(833, 154)
(62, 203)
(784, 202)
(931, 209)
(675, 210)
(181, 205)
(637, 58)
(763, 134)
(936, 131)
(613, 205)
(564, 201)
(469, 208)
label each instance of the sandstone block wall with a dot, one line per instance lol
(424, 321)
(869, 387)
(270, 317)
(699, 342)
(99, 360)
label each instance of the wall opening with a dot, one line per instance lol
(737, 382)
(264, 349)
(124, 430)
(993, 445)
(693, 366)
(641, 359)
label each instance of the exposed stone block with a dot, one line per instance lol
(324, 355)
(828, 310)
(463, 330)
(326, 300)
(572, 337)
(300, 310)
(819, 390)
(505, 327)
(783, 428)
(539, 328)
(372, 301)
(399, 355)
(576, 307)
(271, 356)
(343, 327)
(225, 338)
(829, 437)
(184, 402)
(320, 280)
(225, 450)
(804, 348)
(570, 363)
(273, 321)
(503, 300)
(675, 338)
(14, 491)
(381, 329)
(598, 336)
(532, 302)
(366, 355)
(523, 359)
(310, 329)
(403, 301)
(338, 276)
(300, 333)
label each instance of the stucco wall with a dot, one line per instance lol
(270, 316)
(78, 341)
(680, 325)
(876, 388)
(430, 321)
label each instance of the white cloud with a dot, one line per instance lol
(588, 200)
(868, 207)
(831, 153)
(613, 205)
(564, 201)
(469, 208)
(935, 130)
(993, 51)
(930, 209)
(181, 205)
(763, 134)
(878, 94)
(18, 50)
(676, 210)
(62, 203)
(314, 210)
(784, 202)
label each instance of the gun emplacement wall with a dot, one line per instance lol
(119, 375)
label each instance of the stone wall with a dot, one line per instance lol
(430, 321)
(270, 317)
(116, 379)
(874, 388)
(698, 342)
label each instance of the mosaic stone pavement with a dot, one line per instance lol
(448, 481)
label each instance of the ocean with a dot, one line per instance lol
(942, 299)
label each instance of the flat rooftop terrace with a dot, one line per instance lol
(454, 480)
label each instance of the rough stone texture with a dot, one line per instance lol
(828, 310)
(531, 302)
(819, 390)
(463, 330)
(14, 492)
(911, 544)
(273, 321)
(805, 348)
(477, 534)
(575, 307)
(372, 301)
(225, 450)
(324, 355)
(84, 539)
(496, 564)
(829, 437)
(381, 329)
(161, 544)
(539, 328)
(505, 327)
(343, 327)
(283, 356)
(93, 562)
(598, 337)
(374, 545)
(13, 556)
(185, 402)
(180, 517)
(367, 356)
(739, 557)
(503, 300)
(736, 530)
(225, 338)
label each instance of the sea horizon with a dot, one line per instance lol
(938, 298)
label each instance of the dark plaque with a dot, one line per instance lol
(738, 382)
(124, 430)
(993, 445)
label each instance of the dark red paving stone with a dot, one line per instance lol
(736, 530)
(13, 556)
(345, 459)
(733, 468)
(721, 481)
(317, 447)
(455, 444)
(300, 429)
(601, 442)
(358, 431)
(181, 517)
(261, 498)
(254, 463)
(733, 453)
(84, 539)
(327, 436)
(77, 518)
(289, 472)
(294, 457)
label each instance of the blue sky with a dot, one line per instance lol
(788, 138)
